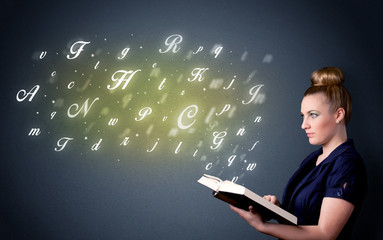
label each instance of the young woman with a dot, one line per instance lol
(326, 192)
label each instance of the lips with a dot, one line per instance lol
(309, 135)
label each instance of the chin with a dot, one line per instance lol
(312, 141)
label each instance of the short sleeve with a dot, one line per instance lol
(347, 180)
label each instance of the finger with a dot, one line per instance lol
(267, 197)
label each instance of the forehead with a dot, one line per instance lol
(317, 102)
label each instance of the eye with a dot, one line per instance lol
(313, 115)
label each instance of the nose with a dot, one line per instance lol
(305, 124)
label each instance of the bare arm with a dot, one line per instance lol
(333, 216)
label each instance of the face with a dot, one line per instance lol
(319, 121)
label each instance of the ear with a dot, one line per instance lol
(339, 115)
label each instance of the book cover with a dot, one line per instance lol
(241, 197)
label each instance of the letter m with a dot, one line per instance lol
(34, 132)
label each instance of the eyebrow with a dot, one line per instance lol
(311, 111)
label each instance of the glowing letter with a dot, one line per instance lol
(34, 132)
(78, 50)
(225, 109)
(143, 113)
(178, 148)
(62, 143)
(190, 114)
(241, 131)
(96, 66)
(258, 119)
(84, 106)
(218, 136)
(162, 84)
(254, 146)
(113, 121)
(200, 48)
(53, 115)
(235, 179)
(172, 42)
(251, 166)
(42, 55)
(125, 141)
(122, 78)
(96, 146)
(231, 83)
(24, 93)
(123, 53)
(197, 72)
(208, 166)
(195, 153)
(217, 51)
(231, 159)
(71, 85)
(153, 146)
(253, 92)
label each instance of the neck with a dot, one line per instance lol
(335, 141)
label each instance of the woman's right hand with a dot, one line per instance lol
(272, 199)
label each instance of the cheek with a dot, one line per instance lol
(326, 127)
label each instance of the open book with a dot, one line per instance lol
(242, 197)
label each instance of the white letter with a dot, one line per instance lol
(96, 146)
(34, 132)
(220, 136)
(197, 72)
(253, 92)
(172, 42)
(190, 114)
(241, 131)
(42, 55)
(79, 49)
(231, 159)
(84, 106)
(113, 121)
(143, 113)
(62, 145)
(208, 166)
(251, 166)
(153, 146)
(122, 78)
(125, 141)
(32, 92)
(225, 109)
(123, 53)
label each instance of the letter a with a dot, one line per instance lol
(24, 94)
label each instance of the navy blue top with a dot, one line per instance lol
(341, 175)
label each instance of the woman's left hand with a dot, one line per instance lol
(252, 217)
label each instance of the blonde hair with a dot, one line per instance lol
(329, 81)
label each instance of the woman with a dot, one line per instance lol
(326, 192)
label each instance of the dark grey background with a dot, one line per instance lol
(45, 196)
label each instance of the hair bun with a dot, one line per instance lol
(327, 76)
